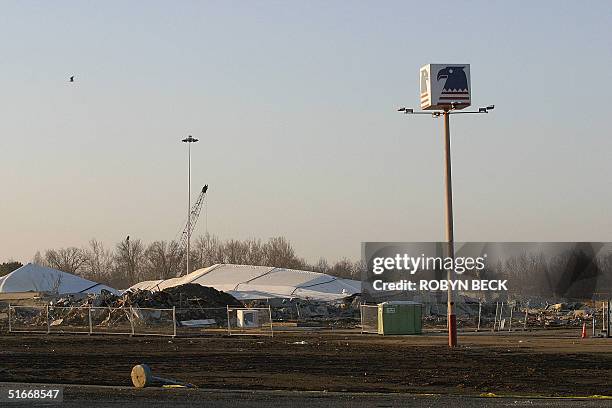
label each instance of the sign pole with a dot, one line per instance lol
(443, 98)
(452, 318)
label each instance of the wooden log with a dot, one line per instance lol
(142, 376)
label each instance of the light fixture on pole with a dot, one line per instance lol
(447, 95)
(189, 140)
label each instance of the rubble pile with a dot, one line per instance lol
(184, 296)
(192, 301)
(540, 314)
(340, 313)
(571, 314)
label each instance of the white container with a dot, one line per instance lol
(248, 318)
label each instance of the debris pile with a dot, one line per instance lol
(140, 307)
(571, 314)
(340, 313)
(190, 295)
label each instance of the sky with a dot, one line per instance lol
(295, 104)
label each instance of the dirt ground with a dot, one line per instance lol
(554, 363)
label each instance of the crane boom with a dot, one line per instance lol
(194, 214)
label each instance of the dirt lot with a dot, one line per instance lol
(543, 363)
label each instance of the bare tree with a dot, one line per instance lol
(66, 259)
(163, 260)
(321, 266)
(99, 262)
(280, 253)
(256, 254)
(129, 261)
(39, 259)
(207, 251)
(236, 252)
(344, 268)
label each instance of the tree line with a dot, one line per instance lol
(8, 267)
(132, 261)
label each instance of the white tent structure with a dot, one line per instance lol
(246, 282)
(36, 278)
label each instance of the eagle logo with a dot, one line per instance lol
(455, 87)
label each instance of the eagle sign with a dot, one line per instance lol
(444, 86)
(455, 87)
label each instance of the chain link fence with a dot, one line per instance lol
(491, 316)
(92, 320)
(137, 321)
(201, 321)
(369, 318)
(503, 316)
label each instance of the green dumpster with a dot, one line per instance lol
(400, 317)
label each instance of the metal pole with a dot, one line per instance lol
(90, 324)
(603, 316)
(479, 312)
(174, 319)
(48, 325)
(9, 318)
(361, 316)
(271, 326)
(229, 326)
(526, 311)
(131, 319)
(511, 310)
(452, 319)
(495, 320)
(188, 203)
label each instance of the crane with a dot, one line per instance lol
(189, 227)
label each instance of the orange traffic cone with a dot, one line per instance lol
(583, 335)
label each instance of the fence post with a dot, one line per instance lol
(361, 317)
(495, 320)
(48, 325)
(9, 319)
(90, 324)
(131, 319)
(526, 311)
(174, 319)
(479, 312)
(511, 310)
(229, 328)
(271, 327)
(603, 316)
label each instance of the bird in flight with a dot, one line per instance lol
(72, 78)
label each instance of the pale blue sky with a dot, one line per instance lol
(294, 104)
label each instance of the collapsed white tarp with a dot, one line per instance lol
(246, 282)
(36, 278)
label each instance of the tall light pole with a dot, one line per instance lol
(450, 239)
(189, 140)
